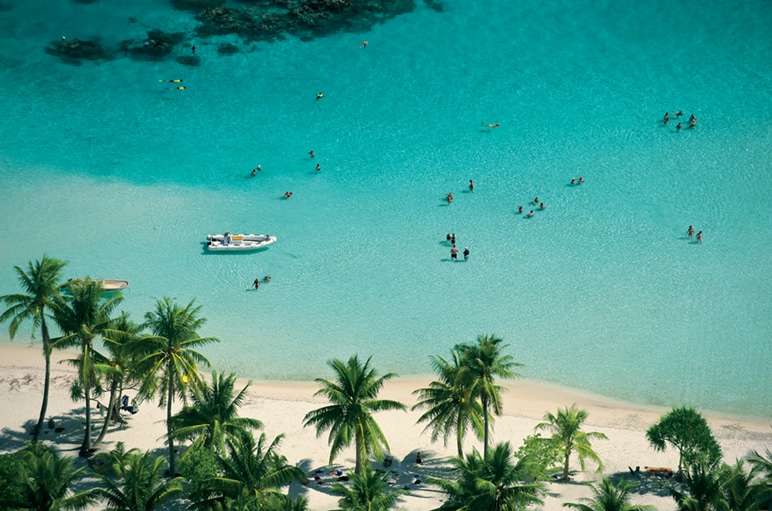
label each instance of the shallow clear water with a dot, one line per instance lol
(601, 291)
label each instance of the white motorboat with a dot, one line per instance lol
(237, 242)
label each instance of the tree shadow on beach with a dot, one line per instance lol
(644, 484)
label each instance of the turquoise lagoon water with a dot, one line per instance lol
(601, 291)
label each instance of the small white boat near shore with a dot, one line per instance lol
(238, 242)
(109, 284)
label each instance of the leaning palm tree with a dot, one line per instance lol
(213, 415)
(170, 359)
(140, 484)
(41, 285)
(483, 363)
(367, 492)
(491, 482)
(119, 366)
(610, 497)
(84, 316)
(349, 416)
(251, 475)
(451, 408)
(47, 479)
(566, 428)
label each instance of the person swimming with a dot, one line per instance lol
(175, 88)
(319, 96)
(489, 125)
(530, 214)
(311, 153)
(318, 167)
(177, 80)
(287, 194)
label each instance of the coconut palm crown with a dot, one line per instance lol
(349, 417)
(41, 284)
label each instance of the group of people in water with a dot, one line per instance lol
(318, 168)
(692, 120)
(451, 237)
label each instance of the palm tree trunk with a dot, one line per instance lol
(46, 382)
(169, 397)
(86, 447)
(565, 465)
(108, 412)
(485, 418)
(361, 454)
(460, 436)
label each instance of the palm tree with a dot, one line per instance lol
(367, 492)
(213, 415)
(491, 482)
(738, 490)
(353, 396)
(482, 363)
(169, 357)
(700, 489)
(83, 316)
(609, 497)
(140, 485)
(47, 478)
(41, 284)
(251, 475)
(566, 427)
(118, 345)
(762, 469)
(451, 406)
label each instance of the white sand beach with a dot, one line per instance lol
(282, 405)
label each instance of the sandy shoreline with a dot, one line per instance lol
(282, 405)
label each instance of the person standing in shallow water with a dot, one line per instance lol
(466, 253)
(256, 283)
(471, 185)
(454, 253)
(690, 231)
(699, 237)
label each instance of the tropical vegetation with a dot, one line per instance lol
(367, 492)
(490, 482)
(170, 360)
(451, 407)
(41, 285)
(481, 363)
(566, 430)
(610, 497)
(349, 417)
(688, 431)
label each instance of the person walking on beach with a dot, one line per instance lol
(454, 253)
(699, 237)
(471, 185)
(256, 283)
(466, 253)
(690, 231)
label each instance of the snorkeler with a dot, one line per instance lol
(171, 81)
(319, 96)
(175, 88)
(489, 125)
